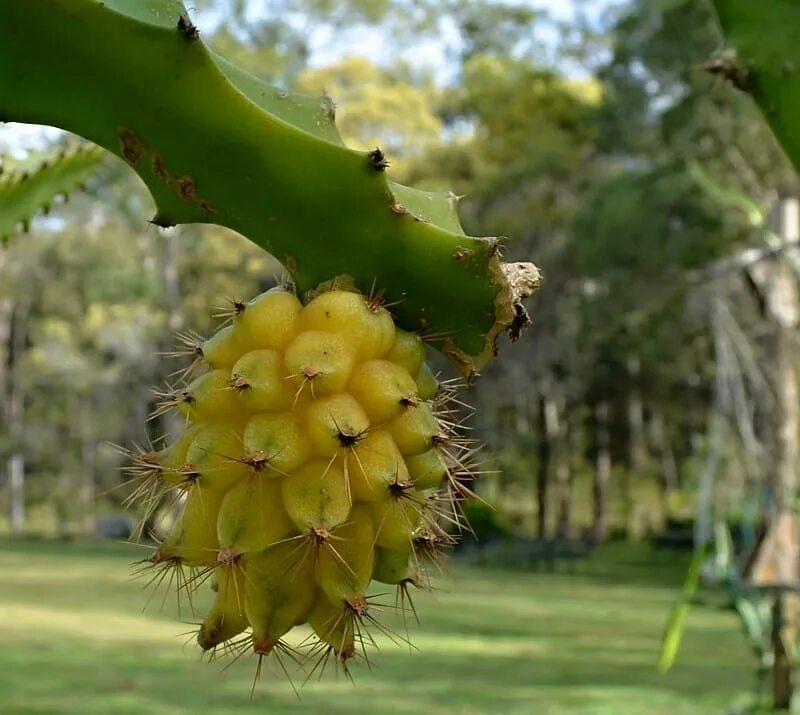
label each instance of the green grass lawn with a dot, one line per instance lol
(73, 639)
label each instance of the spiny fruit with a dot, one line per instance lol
(319, 454)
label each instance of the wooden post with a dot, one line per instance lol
(778, 564)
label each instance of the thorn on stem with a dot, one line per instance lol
(187, 29)
(726, 65)
(162, 221)
(378, 160)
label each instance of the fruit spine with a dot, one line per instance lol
(319, 453)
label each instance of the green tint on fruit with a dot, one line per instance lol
(383, 389)
(373, 464)
(173, 457)
(193, 537)
(407, 351)
(251, 517)
(334, 625)
(317, 495)
(416, 430)
(335, 422)
(344, 567)
(226, 618)
(280, 591)
(210, 398)
(320, 362)
(427, 384)
(395, 522)
(276, 442)
(427, 470)
(260, 382)
(222, 349)
(215, 456)
(393, 566)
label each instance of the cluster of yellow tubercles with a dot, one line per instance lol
(316, 458)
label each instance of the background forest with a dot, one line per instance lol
(640, 406)
(588, 136)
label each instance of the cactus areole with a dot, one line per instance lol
(214, 144)
(761, 57)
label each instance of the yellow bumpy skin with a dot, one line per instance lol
(319, 456)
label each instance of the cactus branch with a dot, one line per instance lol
(27, 190)
(216, 145)
(762, 58)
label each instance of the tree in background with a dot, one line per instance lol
(601, 192)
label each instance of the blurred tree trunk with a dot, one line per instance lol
(170, 280)
(575, 449)
(89, 464)
(15, 417)
(6, 315)
(171, 422)
(543, 470)
(778, 287)
(783, 309)
(663, 448)
(636, 447)
(558, 429)
(602, 472)
(61, 504)
(169, 254)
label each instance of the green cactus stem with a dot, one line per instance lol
(762, 58)
(216, 145)
(29, 188)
